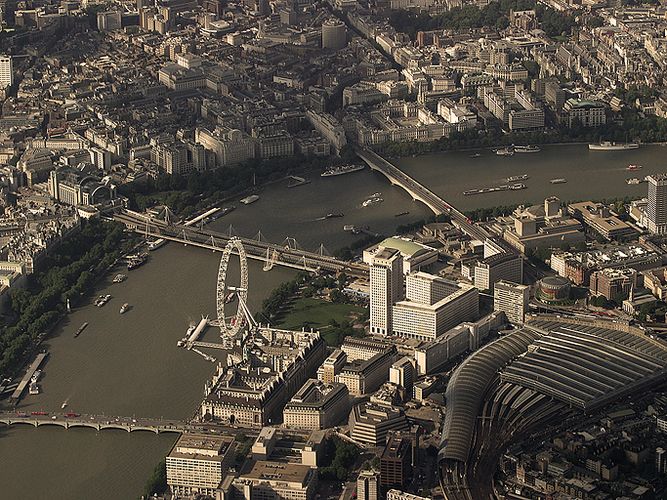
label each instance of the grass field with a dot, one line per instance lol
(317, 314)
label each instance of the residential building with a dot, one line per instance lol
(396, 460)
(585, 113)
(368, 485)
(6, 71)
(613, 283)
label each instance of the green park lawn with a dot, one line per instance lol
(318, 314)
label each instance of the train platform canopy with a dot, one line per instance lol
(586, 366)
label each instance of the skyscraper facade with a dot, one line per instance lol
(386, 283)
(656, 210)
(6, 72)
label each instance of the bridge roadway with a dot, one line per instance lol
(421, 193)
(97, 422)
(213, 240)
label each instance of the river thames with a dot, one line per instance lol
(129, 365)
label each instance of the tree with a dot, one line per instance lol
(157, 483)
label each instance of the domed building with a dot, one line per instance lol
(553, 289)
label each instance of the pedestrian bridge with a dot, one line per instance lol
(97, 422)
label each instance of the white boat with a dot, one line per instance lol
(155, 244)
(505, 152)
(341, 170)
(34, 388)
(613, 146)
(124, 308)
(102, 299)
(372, 201)
(515, 178)
(560, 180)
(64, 405)
(633, 182)
(119, 278)
(527, 149)
(250, 199)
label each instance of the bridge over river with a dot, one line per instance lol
(270, 253)
(419, 192)
(97, 422)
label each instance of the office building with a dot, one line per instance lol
(334, 34)
(502, 266)
(370, 423)
(598, 217)
(540, 226)
(356, 348)
(426, 320)
(197, 463)
(402, 373)
(416, 256)
(661, 423)
(433, 356)
(365, 376)
(661, 460)
(656, 210)
(276, 480)
(332, 366)
(396, 460)
(368, 485)
(512, 299)
(254, 391)
(109, 20)
(386, 283)
(317, 406)
(6, 72)
(613, 283)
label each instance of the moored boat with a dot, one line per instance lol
(515, 178)
(81, 329)
(530, 148)
(505, 151)
(341, 170)
(250, 199)
(613, 146)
